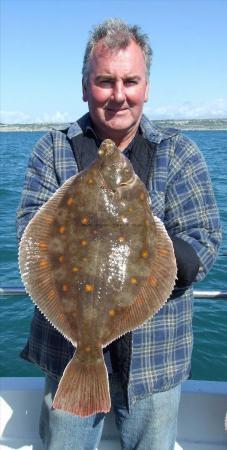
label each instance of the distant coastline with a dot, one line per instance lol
(186, 124)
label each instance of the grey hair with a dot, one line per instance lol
(116, 34)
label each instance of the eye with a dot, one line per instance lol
(131, 82)
(105, 82)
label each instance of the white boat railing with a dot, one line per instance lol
(201, 294)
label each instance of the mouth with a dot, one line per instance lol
(116, 111)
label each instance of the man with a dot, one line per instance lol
(148, 365)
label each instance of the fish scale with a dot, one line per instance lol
(98, 264)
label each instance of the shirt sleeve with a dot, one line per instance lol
(40, 182)
(191, 212)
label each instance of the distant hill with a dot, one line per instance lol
(190, 124)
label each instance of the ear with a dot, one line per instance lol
(146, 92)
(84, 90)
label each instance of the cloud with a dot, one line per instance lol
(189, 110)
(14, 117)
(56, 117)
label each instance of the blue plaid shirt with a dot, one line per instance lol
(182, 197)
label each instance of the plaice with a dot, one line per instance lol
(98, 264)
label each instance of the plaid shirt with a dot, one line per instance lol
(183, 199)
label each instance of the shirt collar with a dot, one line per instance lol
(155, 133)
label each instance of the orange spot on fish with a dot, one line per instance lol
(142, 196)
(89, 287)
(85, 221)
(61, 259)
(144, 253)
(130, 209)
(121, 239)
(112, 312)
(162, 252)
(83, 242)
(152, 280)
(42, 245)
(75, 269)
(70, 201)
(65, 287)
(90, 181)
(61, 229)
(133, 280)
(147, 223)
(43, 263)
(87, 349)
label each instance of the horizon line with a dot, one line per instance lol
(154, 120)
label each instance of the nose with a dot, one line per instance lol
(119, 92)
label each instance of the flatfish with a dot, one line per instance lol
(97, 263)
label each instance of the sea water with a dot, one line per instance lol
(209, 359)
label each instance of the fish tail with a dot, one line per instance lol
(83, 389)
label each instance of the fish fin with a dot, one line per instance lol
(83, 389)
(35, 266)
(155, 291)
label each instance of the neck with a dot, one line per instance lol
(121, 139)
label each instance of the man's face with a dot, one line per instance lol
(116, 90)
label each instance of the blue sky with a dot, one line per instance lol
(43, 42)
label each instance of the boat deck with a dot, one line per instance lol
(200, 427)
